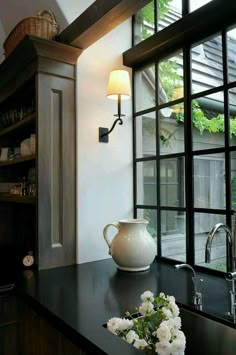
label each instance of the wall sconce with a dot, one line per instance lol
(118, 89)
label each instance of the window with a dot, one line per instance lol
(185, 128)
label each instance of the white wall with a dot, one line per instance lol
(104, 171)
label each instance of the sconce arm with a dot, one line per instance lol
(118, 120)
(104, 132)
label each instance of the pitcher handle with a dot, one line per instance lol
(114, 224)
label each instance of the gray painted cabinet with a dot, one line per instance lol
(43, 72)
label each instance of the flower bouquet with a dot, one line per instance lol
(157, 328)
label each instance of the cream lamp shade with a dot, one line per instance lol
(119, 84)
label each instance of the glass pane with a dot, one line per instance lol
(146, 135)
(207, 65)
(168, 12)
(172, 187)
(209, 181)
(232, 114)
(203, 223)
(173, 235)
(171, 129)
(146, 183)
(231, 47)
(233, 180)
(196, 4)
(144, 23)
(170, 79)
(151, 217)
(208, 122)
(144, 87)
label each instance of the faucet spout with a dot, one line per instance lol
(197, 296)
(180, 266)
(210, 238)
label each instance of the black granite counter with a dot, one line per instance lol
(80, 299)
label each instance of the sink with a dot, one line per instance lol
(206, 336)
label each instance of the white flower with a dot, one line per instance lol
(178, 335)
(113, 324)
(174, 309)
(177, 346)
(146, 309)
(177, 322)
(125, 324)
(163, 348)
(173, 323)
(119, 324)
(147, 296)
(163, 333)
(167, 339)
(131, 336)
(166, 312)
(140, 344)
(170, 299)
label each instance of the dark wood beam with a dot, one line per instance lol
(97, 20)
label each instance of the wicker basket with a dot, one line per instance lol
(38, 25)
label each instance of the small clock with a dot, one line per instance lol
(28, 260)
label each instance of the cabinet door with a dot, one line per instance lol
(56, 171)
(50, 339)
(8, 340)
(8, 325)
(29, 331)
(68, 348)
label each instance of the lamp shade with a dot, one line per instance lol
(119, 84)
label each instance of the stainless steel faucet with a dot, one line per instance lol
(197, 296)
(229, 258)
(230, 261)
(231, 276)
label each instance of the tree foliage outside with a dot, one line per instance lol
(146, 16)
(170, 79)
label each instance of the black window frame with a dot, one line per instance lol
(204, 22)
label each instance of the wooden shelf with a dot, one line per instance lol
(18, 160)
(19, 125)
(17, 198)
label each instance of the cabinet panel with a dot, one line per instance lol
(56, 171)
(8, 340)
(37, 100)
(68, 348)
(8, 309)
(8, 325)
(38, 336)
(29, 331)
(50, 341)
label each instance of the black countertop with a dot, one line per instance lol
(80, 299)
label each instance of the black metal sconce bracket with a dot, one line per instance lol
(104, 132)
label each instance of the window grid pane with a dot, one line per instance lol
(196, 130)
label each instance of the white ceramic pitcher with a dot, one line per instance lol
(132, 248)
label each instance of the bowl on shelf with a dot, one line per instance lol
(27, 146)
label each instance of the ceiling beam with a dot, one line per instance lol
(97, 20)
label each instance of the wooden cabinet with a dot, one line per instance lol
(37, 99)
(38, 336)
(8, 325)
